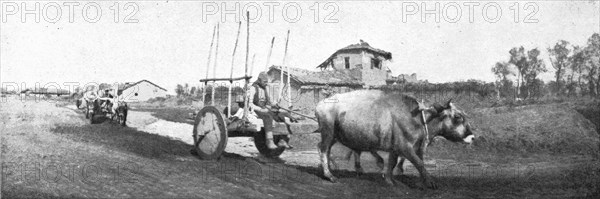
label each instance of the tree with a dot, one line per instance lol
(593, 62)
(578, 64)
(538, 88)
(186, 89)
(560, 52)
(502, 71)
(518, 59)
(533, 67)
(193, 91)
(207, 90)
(179, 90)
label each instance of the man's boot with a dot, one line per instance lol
(283, 144)
(270, 143)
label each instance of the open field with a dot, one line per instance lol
(50, 150)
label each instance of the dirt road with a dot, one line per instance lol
(49, 150)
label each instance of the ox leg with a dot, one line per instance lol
(400, 166)
(359, 170)
(412, 156)
(387, 173)
(324, 152)
(422, 148)
(420, 151)
(379, 159)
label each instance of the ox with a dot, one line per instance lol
(373, 120)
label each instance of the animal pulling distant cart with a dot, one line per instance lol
(108, 107)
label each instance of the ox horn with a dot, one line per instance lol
(449, 104)
(422, 106)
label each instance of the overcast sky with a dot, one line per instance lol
(170, 42)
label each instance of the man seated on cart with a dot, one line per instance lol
(260, 104)
(106, 101)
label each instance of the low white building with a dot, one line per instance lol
(140, 91)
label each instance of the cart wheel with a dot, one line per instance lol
(260, 141)
(210, 133)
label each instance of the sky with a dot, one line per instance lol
(168, 42)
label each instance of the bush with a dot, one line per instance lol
(156, 99)
(184, 101)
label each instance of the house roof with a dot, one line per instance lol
(332, 78)
(362, 46)
(129, 85)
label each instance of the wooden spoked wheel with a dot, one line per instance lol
(210, 133)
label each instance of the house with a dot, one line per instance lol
(367, 64)
(140, 91)
(309, 87)
(353, 67)
(403, 78)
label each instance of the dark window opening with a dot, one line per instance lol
(347, 62)
(375, 63)
(136, 94)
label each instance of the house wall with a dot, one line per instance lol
(310, 97)
(375, 76)
(307, 100)
(273, 89)
(367, 60)
(360, 67)
(142, 92)
(303, 98)
(356, 61)
(408, 78)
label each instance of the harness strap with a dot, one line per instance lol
(427, 140)
(425, 125)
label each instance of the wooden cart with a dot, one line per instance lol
(94, 109)
(212, 129)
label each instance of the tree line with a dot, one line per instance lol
(221, 91)
(576, 71)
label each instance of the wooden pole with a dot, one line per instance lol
(208, 64)
(289, 84)
(225, 79)
(269, 55)
(281, 69)
(247, 81)
(287, 39)
(252, 64)
(212, 96)
(231, 73)
(306, 116)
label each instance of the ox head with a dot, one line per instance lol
(453, 124)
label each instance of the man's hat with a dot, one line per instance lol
(239, 98)
(263, 76)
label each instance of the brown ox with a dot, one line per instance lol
(372, 120)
